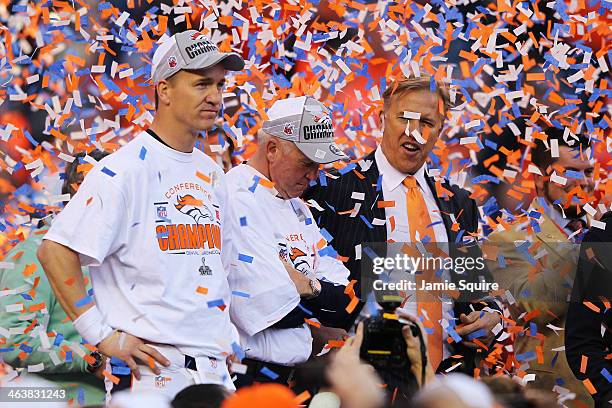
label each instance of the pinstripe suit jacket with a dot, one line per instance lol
(334, 196)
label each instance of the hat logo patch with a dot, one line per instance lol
(196, 35)
(289, 129)
(335, 150)
(172, 61)
(324, 120)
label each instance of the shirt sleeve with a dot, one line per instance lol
(94, 222)
(267, 292)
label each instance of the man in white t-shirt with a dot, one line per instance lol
(149, 220)
(283, 266)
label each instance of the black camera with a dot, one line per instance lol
(383, 344)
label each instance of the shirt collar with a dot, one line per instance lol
(271, 190)
(392, 177)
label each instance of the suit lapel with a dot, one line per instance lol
(379, 232)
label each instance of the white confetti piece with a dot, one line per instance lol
(36, 368)
(411, 115)
(555, 178)
(16, 307)
(598, 224)
(378, 221)
(417, 136)
(358, 252)
(554, 148)
(239, 368)
(54, 358)
(358, 196)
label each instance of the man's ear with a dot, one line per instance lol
(163, 92)
(381, 116)
(272, 148)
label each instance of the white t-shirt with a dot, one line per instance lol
(149, 220)
(264, 226)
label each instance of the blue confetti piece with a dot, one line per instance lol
(530, 355)
(303, 309)
(241, 294)
(58, 339)
(69, 356)
(347, 168)
(7, 350)
(370, 253)
(238, 351)
(328, 237)
(255, 183)
(26, 348)
(108, 171)
(476, 334)
(143, 153)
(606, 374)
(120, 370)
(554, 360)
(81, 396)
(84, 301)
(501, 261)
(451, 331)
(308, 221)
(243, 221)
(367, 223)
(533, 329)
(245, 258)
(215, 303)
(118, 362)
(269, 373)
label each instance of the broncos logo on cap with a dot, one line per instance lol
(197, 35)
(194, 208)
(323, 119)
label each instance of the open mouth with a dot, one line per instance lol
(411, 147)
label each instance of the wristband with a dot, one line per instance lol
(91, 326)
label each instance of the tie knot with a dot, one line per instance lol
(410, 182)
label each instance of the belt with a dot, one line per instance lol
(268, 371)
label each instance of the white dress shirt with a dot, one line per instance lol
(394, 190)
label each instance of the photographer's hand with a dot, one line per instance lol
(413, 349)
(355, 383)
(474, 322)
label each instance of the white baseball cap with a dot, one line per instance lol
(190, 50)
(307, 123)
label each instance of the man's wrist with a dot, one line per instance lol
(92, 327)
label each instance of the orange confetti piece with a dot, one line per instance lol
(312, 323)
(203, 177)
(29, 269)
(583, 363)
(589, 386)
(112, 378)
(351, 306)
(202, 290)
(303, 397)
(37, 307)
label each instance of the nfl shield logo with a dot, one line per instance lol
(162, 212)
(172, 61)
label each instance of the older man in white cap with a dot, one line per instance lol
(288, 273)
(149, 220)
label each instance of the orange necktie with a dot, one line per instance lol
(419, 221)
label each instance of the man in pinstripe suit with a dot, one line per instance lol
(412, 120)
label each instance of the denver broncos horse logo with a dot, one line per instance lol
(190, 206)
(299, 259)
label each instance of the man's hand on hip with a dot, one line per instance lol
(130, 348)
